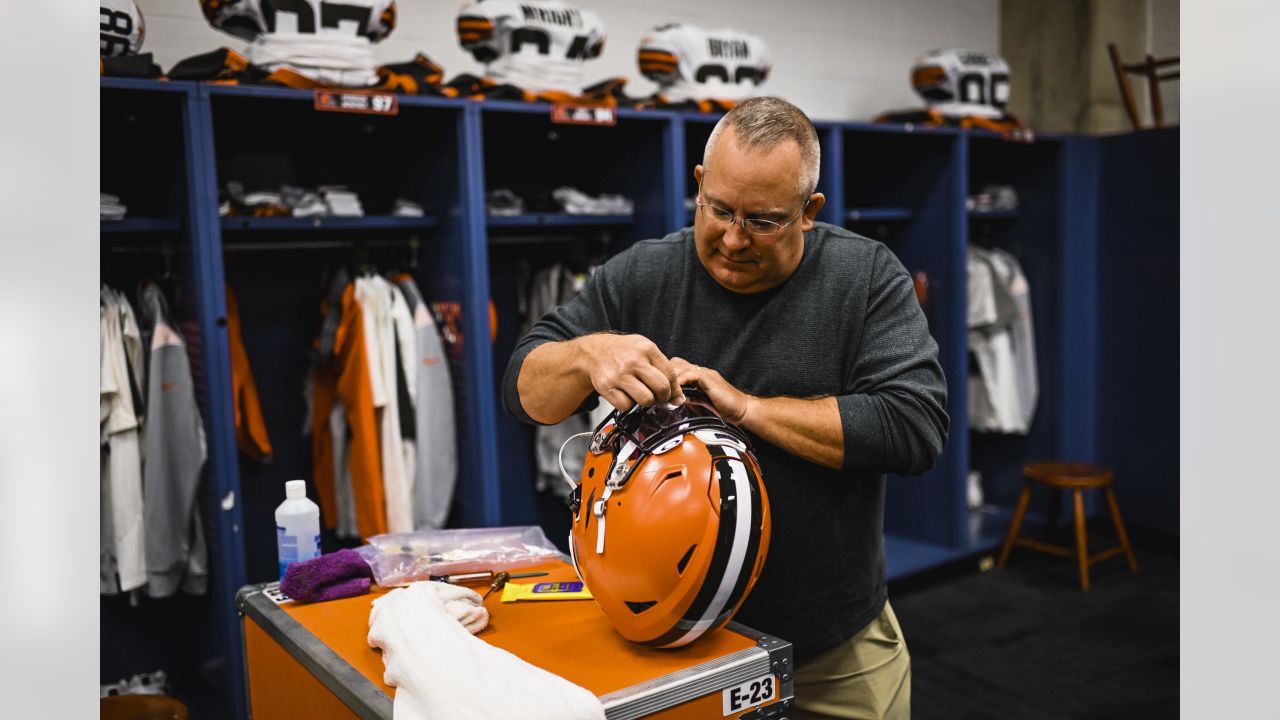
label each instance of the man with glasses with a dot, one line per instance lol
(806, 336)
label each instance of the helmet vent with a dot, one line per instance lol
(591, 503)
(684, 561)
(674, 473)
(639, 607)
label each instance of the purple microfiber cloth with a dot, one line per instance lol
(328, 577)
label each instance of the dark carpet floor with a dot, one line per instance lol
(1025, 642)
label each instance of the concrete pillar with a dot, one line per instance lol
(1062, 79)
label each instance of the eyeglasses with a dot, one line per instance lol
(754, 226)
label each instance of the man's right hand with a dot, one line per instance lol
(628, 370)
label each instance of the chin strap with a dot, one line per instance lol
(560, 458)
(622, 463)
(598, 510)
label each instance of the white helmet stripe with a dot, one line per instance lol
(737, 555)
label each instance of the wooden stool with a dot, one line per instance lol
(1076, 477)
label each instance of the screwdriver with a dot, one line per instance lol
(500, 581)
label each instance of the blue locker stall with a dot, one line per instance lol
(280, 267)
(525, 152)
(905, 189)
(1137, 333)
(1032, 233)
(154, 158)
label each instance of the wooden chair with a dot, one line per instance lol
(1149, 68)
(1076, 477)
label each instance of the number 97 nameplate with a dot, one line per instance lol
(368, 103)
(749, 694)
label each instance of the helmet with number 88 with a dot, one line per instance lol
(670, 521)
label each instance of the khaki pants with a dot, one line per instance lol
(866, 676)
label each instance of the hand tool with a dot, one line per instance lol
(501, 579)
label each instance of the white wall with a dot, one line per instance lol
(836, 59)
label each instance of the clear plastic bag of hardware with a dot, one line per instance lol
(402, 558)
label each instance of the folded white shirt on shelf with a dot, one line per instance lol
(341, 201)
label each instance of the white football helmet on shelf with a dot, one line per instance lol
(962, 83)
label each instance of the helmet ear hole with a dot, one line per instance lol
(684, 561)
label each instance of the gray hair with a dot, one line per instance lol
(764, 123)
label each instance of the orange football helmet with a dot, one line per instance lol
(670, 521)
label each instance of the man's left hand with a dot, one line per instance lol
(733, 404)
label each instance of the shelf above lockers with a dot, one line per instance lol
(372, 222)
(307, 97)
(905, 129)
(150, 86)
(993, 214)
(557, 220)
(878, 214)
(141, 225)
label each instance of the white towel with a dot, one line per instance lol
(440, 671)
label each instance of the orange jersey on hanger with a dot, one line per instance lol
(344, 376)
(251, 429)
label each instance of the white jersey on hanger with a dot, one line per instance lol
(329, 42)
(436, 464)
(1004, 391)
(1021, 336)
(174, 452)
(381, 303)
(690, 63)
(122, 543)
(405, 355)
(537, 46)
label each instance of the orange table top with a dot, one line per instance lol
(571, 638)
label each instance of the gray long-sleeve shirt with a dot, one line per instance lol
(845, 324)
(174, 453)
